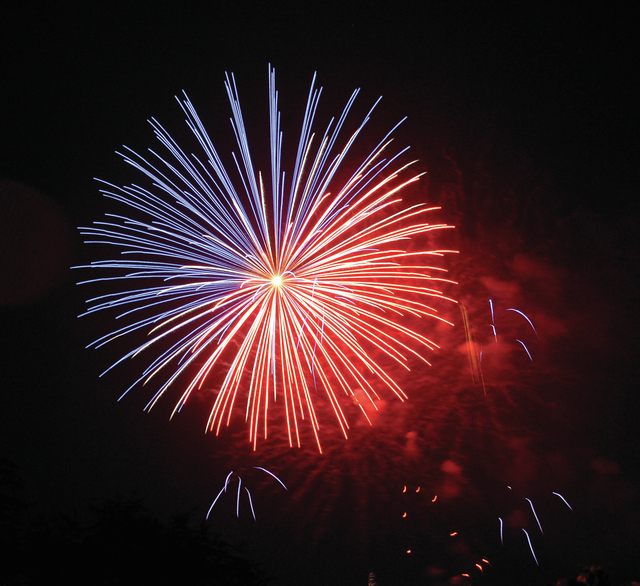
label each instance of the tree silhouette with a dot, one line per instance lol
(125, 544)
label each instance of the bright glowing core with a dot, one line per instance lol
(277, 281)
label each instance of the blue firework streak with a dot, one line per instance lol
(226, 485)
(293, 289)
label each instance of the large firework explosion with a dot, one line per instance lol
(296, 288)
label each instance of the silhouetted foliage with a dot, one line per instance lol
(124, 544)
(12, 520)
(591, 576)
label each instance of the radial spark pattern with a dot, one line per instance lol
(295, 290)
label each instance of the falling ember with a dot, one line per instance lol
(434, 499)
(535, 515)
(238, 501)
(272, 475)
(251, 503)
(295, 282)
(525, 349)
(531, 547)
(563, 499)
(525, 317)
(493, 323)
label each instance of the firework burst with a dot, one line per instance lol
(290, 289)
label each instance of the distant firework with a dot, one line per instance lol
(288, 289)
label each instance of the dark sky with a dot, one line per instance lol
(526, 122)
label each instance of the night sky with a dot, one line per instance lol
(526, 123)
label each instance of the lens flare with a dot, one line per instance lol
(275, 294)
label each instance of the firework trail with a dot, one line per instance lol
(531, 546)
(288, 288)
(563, 500)
(239, 491)
(535, 514)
